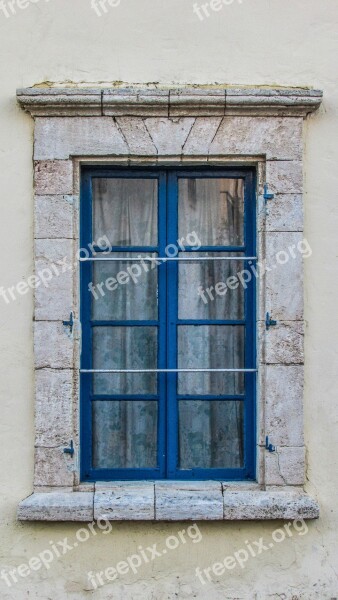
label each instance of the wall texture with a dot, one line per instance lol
(263, 42)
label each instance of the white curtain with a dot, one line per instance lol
(210, 432)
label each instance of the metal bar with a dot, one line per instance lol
(168, 370)
(166, 259)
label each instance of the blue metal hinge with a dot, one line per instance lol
(69, 323)
(69, 450)
(269, 322)
(268, 446)
(267, 195)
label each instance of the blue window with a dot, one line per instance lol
(168, 361)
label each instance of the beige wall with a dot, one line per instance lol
(273, 42)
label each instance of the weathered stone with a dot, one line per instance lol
(136, 135)
(284, 177)
(282, 344)
(283, 213)
(54, 272)
(284, 405)
(277, 138)
(190, 102)
(133, 501)
(53, 467)
(53, 345)
(268, 505)
(135, 102)
(53, 177)
(53, 407)
(175, 501)
(285, 466)
(58, 102)
(53, 217)
(201, 135)
(284, 275)
(77, 136)
(169, 135)
(57, 506)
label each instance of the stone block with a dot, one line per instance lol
(53, 177)
(57, 506)
(53, 345)
(54, 271)
(131, 501)
(53, 217)
(275, 138)
(53, 407)
(136, 135)
(284, 276)
(53, 467)
(179, 501)
(284, 405)
(268, 505)
(284, 176)
(201, 135)
(285, 466)
(77, 136)
(282, 344)
(283, 213)
(169, 135)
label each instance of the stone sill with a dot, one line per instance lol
(169, 102)
(168, 501)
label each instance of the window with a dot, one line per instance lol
(168, 365)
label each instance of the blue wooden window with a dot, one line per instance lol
(156, 400)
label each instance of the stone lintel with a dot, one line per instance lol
(169, 101)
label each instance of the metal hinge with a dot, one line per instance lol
(268, 446)
(269, 322)
(69, 450)
(267, 195)
(69, 323)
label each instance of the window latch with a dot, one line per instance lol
(267, 195)
(269, 322)
(268, 446)
(69, 323)
(69, 450)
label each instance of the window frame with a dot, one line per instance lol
(167, 437)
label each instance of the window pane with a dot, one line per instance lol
(125, 211)
(124, 434)
(210, 434)
(127, 290)
(214, 209)
(211, 347)
(194, 302)
(125, 348)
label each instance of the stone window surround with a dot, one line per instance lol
(151, 126)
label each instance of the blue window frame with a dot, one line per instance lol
(173, 404)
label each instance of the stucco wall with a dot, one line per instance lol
(270, 42)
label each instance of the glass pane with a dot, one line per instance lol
(124, 434)
(195, 278)
(211, 347)
(124, 290)
(125, 348)
(210, 434)
(213, 208)
(125, 211)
